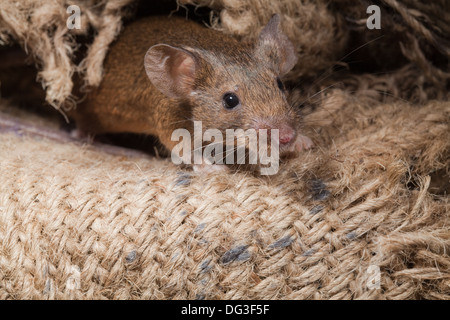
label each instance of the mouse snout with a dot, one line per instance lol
(286, 132)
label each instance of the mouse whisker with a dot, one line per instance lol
(348, 54)
(319, 92)
(330, 72)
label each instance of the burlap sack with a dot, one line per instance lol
(364, 215)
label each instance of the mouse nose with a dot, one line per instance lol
(286, 134)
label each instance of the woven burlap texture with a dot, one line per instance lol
(76, 222)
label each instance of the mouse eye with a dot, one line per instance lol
(230, 100)
(280, 84)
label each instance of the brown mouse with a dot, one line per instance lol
(163, 73)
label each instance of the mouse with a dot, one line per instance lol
(165, 73)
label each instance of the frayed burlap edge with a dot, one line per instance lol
(40, 27)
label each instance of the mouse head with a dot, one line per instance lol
(233, 86)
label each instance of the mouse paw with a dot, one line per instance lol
(303, 143)
(79, 134)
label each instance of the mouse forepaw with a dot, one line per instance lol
(303, 143)
(80, 134)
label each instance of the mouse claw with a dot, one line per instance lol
(303, 143)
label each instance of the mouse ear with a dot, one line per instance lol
(274, 43)
(171, 70)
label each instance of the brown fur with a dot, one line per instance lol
(126, 101)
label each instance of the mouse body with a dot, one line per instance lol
(162, 74)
